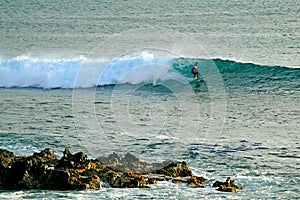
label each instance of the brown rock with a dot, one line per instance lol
(227, 186)
(47, 155)
(112, 178)
(6, 158)
(197, 181)
(94, 182)
(44, 171)
(178, 180)
(238, 187)
(176, 169)
(217, 184)
(224, 188)
(229, 182)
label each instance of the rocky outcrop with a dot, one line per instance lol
(227, 186)
(131, 163)
(76, 172)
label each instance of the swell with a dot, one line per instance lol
(258, 77)
(244, 75)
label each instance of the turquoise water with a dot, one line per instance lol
(114, 76)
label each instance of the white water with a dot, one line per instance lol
(63, 73)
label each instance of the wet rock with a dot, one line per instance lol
(197, 181)
(6, 160)
(224, 188)
(94, 182)
(217, 184)
(58, 179)
(227, 186)
(176, 169)
(132, 180)
(43, 170)
(67, 154)
(45, 156)
(29, 172)
(112, 178)
(78, 160)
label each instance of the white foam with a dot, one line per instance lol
(24, 71)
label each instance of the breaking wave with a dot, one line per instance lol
(24, 72)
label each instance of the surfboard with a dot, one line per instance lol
(196, 80)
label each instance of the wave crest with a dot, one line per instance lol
(143, 68)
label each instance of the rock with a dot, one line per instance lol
(94, 182)
(238, 187)
(197, 181)
(43, 171)
(227, 186)
(78, 160)
(6, 160)
(130, 163)
(67, 154)
(46, 155)
(28, 172)
(131, 158)
(132, 180)
(112, 178)
(59, 179)
(178, 180)
(176, 169)
(224, 188)
(229, 182)
(217, 184)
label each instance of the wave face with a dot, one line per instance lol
(247, 75)
(62, 73)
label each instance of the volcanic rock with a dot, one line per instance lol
(43, 171)
(227, 186)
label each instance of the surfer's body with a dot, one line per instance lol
(195, 70)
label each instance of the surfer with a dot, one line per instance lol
(195, 70)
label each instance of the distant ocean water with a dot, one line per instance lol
(251, 31)
(74, 74)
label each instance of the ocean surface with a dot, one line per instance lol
(114, 76)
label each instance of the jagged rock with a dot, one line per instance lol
(176, 169)
(58, 179)
(43, 170)
(130, 163)
(227, 186)
(67, 154)
(28, 172)
(197, 181)
(46, 155)
(131, 158)
(94, 182)
(6, 160)
(224, 188)
(78, 160)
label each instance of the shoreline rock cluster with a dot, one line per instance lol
(44, 171)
